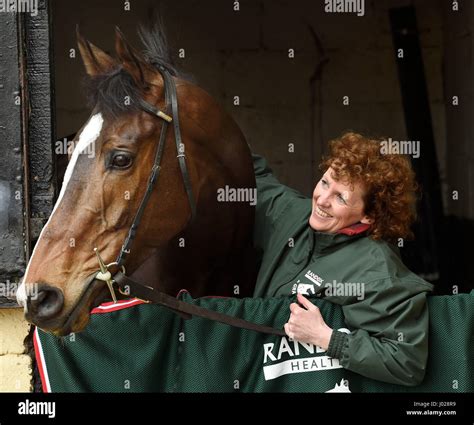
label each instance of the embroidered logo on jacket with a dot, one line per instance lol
(308, 288)
(303, 288)
(313, 277)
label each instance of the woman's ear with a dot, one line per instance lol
(367, 220)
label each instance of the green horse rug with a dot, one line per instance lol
(137, 347)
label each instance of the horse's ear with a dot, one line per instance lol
(132, 60)
(95, 60)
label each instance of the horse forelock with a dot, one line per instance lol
(115, 93)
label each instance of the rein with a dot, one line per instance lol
(186, 310)
(129, 287)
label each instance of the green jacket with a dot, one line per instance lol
(383, 302)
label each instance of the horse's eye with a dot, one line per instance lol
(121, 160)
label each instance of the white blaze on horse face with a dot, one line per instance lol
(89, 135)
(21, 295)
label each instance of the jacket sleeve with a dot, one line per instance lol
(273, 198)
(390, 340)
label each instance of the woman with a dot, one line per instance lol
(339, 246)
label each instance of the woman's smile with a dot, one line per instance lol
(320, 213)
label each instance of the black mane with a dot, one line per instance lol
(156, 48)
(115, 93)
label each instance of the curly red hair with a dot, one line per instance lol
(388, 181)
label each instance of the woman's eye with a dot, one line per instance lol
(121, 161)
(341, 199)
(324, 182)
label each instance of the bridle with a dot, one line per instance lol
(171, 100)
(129, 287)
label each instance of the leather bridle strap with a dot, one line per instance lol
(146, 293)
(171, 89)
(155, 172)
(171, 100)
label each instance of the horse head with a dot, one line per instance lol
(107, 178)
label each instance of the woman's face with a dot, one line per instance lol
(337, 205)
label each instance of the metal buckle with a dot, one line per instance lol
(105, 275)
(164, 116)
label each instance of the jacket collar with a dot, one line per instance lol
(320, 242)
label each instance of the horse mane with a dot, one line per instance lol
(109, 91)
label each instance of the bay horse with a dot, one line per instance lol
(187, 237)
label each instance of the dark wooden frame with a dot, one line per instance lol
(27, 171)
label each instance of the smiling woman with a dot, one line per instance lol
(341, 239)
(336, 204)
(370, 186)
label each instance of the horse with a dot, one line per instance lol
(188, 236)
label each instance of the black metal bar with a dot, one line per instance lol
(27, 169)
(12, 253)
(39, 59)
(422, 256)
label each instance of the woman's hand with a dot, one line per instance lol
(307, 325)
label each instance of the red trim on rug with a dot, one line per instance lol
(39, 361)
(120, 305)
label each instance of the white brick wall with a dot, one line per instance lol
(15, 365)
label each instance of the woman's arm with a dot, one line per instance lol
(273, 198)
(390, 340)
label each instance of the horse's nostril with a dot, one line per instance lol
(39, 298)
(46, 303)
